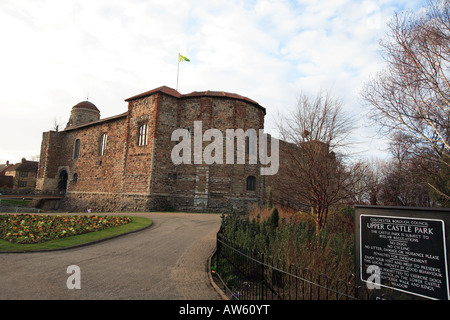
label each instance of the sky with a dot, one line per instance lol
(57, 53)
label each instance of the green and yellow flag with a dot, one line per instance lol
(183, 58)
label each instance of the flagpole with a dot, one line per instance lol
(178, 69)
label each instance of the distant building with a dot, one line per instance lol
(5, 181)
(21, 175)
(3, 167)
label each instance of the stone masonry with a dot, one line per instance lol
(123, 163)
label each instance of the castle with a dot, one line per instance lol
(124, 162)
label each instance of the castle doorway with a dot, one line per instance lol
(62, 181)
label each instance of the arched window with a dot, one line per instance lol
(251, 183)
(76, 151)
(102, 147)
(143, 132)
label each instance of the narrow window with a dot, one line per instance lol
(251, 183)
(250, 142)
(102, 148)
(76, 151)
(143, 132)
(75, 177)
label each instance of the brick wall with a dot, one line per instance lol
(200, 187)
(143, 177)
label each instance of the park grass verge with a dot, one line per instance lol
(136, 224)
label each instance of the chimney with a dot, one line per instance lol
(7, 162)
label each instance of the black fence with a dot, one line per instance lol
(248, 275)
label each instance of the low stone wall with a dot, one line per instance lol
(45, 204)
(103, 202)
(109, 202)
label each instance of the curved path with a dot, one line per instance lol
(167, 261)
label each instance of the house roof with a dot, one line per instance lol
(4, 167)
(25, 165)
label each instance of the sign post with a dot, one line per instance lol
(401, 253)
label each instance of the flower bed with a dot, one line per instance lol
(27, 229)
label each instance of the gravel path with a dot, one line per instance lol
(167, 261)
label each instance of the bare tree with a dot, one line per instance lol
(317, 130)
(56, 126)
(369, 184)
(412, 94)
(318, 119)
(405, 178)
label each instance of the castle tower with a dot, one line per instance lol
(83, 113)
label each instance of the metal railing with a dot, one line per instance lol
(249, 275)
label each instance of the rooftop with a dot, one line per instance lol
(86, 105)
(97, 121)
(165, 90)
(174, 93)
(25, 165)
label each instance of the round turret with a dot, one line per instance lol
(82, 113)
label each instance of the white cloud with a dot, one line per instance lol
(56, 53)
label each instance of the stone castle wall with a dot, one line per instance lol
(132, 177)
(216, 187)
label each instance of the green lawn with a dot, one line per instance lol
(14, 202)
(136, 223)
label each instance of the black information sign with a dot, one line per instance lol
(409, 254)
